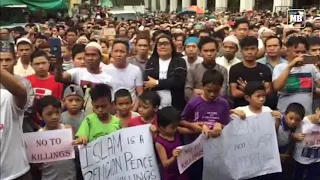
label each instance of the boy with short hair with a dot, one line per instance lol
(49, 109)
(123, 104)
(307, 159)
(149, 102)
(73, 102)
(205, 113)
(66, 52)
(101, 122)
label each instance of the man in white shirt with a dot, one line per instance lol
(13, 160)
(230, 47)
(86, 77)
(125, 75)
(24, 50)
(192, 52)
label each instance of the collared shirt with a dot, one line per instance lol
(266, 61)
(226, 63)
(194, 78)
(21, 71)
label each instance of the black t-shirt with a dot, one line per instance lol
(260, 73)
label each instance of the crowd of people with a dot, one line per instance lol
(184, 75)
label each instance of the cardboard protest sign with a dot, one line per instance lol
(127, 154)
(246, 149)
(109, 32)
(48, 146)
(312, 135)
(190, 153)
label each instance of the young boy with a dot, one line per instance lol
(123, 104)
(101, 122)
(42, 82)
(73, 102)
(209, 110)
(67, 58)
(149, 102)
(49, 110)
(285, 129)
(255, 94)
(307, 159)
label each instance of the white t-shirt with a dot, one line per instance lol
(13, 158)
(85, 79)
(82, 77)
(303, 154)
(248, 112)
(165, 95)
(128, 78)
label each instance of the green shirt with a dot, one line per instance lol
(93, 128)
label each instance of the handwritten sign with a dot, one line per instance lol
(246, 149)
(48, 146)
(190, 153)
(127, 154)
(312, 135)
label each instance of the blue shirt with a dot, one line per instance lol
(265, 60)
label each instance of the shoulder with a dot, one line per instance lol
(281, 66)
(194, 101)
(262, 60)
(132, 67)
(114, 119)
(221, 68)
(237, 66)
(223, 101)
(266, 109)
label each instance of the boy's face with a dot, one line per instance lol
(314, 50)
(51, 116)
(101, 107)
(65, 52)
(293, 119)
(73, 103)
(257, 99)
(211, 91)
(123, 105)
(146, 110)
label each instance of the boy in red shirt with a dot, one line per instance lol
(149, 102)
(42, 81)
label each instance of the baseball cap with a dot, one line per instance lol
(73, 90)
(23, 40)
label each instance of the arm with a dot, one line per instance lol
(164, 157)
(189, 86)
(279, 82)
(235, 92)
(224, 89)
(60, 76)
(268, 87)
(194, 127)
(15, 87)
(233, 81)
(185, 131)
(268, 80)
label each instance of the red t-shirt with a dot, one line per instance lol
(44, 87)
(137, 121)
